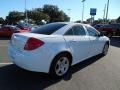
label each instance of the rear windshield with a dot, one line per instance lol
(48, 28)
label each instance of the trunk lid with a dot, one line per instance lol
(19, 40)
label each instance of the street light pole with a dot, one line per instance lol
(83, 12)
(107, 10)
(82, 9)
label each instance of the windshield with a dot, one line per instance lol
(15, 28)
(48, 28)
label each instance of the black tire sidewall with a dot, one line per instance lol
(52, 68)
(103, 52)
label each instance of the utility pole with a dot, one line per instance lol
(82, 10)
(104, 14)
(107, 10)
(69, 11)
(26, 17)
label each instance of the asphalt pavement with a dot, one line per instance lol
(96, 73)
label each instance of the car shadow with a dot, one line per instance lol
(115, 41)
(15, 78)
(5, 38)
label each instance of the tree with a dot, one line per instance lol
(118, 20)
(1, 20)
(89, 20)
(78, 21)
(14, 17)
(99, 21)
(49, 13)
(112, 21)
(55, 14)
(37, 16)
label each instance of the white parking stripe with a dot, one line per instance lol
(5, 63)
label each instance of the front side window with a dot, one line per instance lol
(92, 31)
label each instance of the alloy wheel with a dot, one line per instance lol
(62, 66)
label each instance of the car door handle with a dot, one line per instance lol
(73, 41)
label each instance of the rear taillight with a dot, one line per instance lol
(33, 43)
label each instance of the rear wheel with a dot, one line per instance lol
(60, 65)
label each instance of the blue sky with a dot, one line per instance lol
(74, 5)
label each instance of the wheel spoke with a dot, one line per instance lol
(62, 71)
(58, 70)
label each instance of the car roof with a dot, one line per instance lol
(68, 25)
(72, 23)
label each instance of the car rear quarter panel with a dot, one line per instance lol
(53, 46)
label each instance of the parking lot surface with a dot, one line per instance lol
(96, 73)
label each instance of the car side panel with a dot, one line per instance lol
(40, 59)
(80, 47)
(54, 46)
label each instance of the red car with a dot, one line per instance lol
(107, 29)
(8, 30)
(24, 26)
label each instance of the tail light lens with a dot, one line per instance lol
(33, 43)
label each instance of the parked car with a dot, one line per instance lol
(116, 27)
(53, 48)
(24, 26)
(8, 30)
(34, 27)
(109, 29)
(98, 26)
(0, 25)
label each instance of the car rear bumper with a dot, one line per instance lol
(30, 61)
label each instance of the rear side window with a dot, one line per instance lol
(78, 30)
(69, 32)
(48, 28)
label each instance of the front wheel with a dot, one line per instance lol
(110, 35)
(105, 49)
(60, 65)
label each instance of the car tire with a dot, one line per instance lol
(60, 65)
(109, 35)
(105, 49)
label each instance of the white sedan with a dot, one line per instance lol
(53, 48)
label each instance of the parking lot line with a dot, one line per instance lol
(5, 63)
